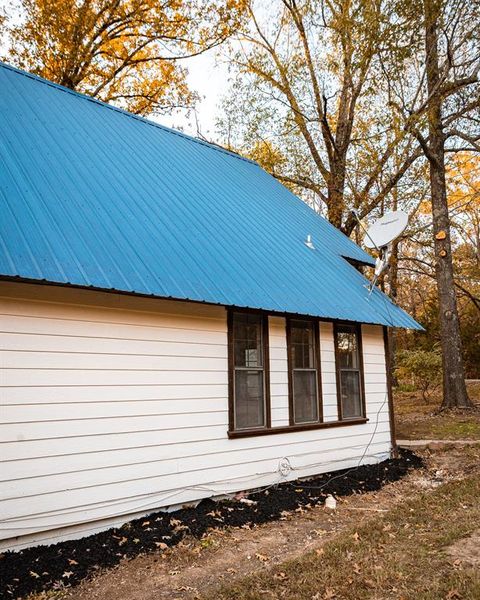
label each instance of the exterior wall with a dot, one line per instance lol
(114, 406)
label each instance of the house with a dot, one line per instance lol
(168, 335)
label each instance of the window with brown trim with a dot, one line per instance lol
(349, 365)
(304, 380)
(249, 380)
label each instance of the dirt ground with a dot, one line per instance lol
(196, 566)
(467, 550)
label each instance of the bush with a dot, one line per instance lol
(422, 368)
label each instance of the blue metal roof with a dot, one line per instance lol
(93, 196)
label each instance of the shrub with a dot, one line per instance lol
(422, 368)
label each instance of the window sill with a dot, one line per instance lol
(294, 428)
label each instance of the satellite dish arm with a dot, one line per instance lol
(354, 212)
(381, 264)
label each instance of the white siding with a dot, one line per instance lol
(113, 406)
(329, 377)
(278, 371)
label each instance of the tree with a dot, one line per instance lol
(121, 51)
(349, 100)
(307, 89)
(422, 367)
(442, 106)
(417, 262)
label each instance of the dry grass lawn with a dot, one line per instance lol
(403, 555)
(416, 538)
(416, 420)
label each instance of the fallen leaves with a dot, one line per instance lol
(247, 501)
(162, 531)
(453, 594)
(328, 594)
(261, 557)
(121, 540)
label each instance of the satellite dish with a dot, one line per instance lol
(380, 236)
(387, 229)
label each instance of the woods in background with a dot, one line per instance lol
(373, 105)
(365, 104)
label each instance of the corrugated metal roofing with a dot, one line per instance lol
(94, 196)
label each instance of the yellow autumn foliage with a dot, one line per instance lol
(121, 51)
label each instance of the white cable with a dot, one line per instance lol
(321, 487)
(157, 500)
(153, 502)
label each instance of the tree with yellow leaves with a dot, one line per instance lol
(121, 51)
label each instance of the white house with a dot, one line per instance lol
(167, 335)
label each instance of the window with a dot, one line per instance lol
(248, 351)
(303, 371)
(249, 410)
(348, 354)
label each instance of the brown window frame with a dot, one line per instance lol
(357, 327)
(291, 369)
(231, 375)
(291, 428)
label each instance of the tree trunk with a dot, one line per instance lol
(393, 293)
(393, 290)
(454, 388)
(335, 192)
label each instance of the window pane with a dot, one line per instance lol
(350, 390)
(247, 339)
(249, 404)
(302, 340)
(305, 396)
(348, 349)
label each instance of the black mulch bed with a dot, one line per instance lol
(68, 563)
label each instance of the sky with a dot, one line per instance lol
(208, 76)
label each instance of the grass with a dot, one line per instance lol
(416, 420)
(401, 555)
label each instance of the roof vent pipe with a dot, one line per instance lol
(309, 243)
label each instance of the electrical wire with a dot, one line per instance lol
(153, 502)
(154, 498)
(341, 475)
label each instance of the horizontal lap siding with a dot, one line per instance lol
(113, 406)
(375, 377)
(278, 371)
(329, 385)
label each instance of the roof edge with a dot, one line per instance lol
(30, 281)
(144, 120)
(357, 261)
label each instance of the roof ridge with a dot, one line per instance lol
(144, 120)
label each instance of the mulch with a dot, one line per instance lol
(67, 563)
